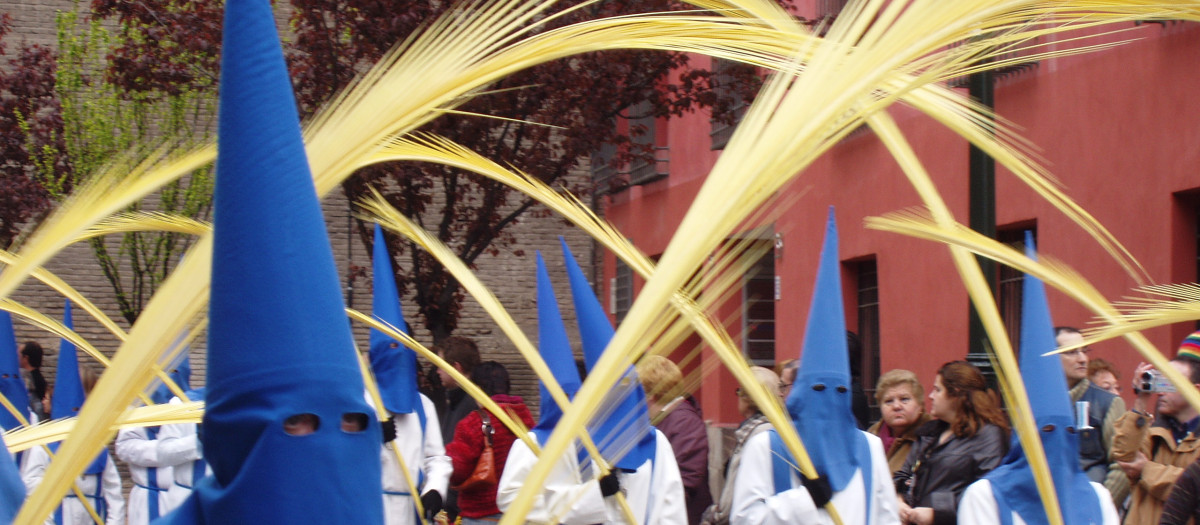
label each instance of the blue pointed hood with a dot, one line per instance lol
(394, 364)
(629, 416)
(820, 402)
(180, 373)
(68, 388)
(12, 385)
(556, 351)
(1046, 385)
(279, 344)
(68, 396)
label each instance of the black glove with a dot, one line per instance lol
(819, 489)
(432, 501)
(609, 484)
(389, 430)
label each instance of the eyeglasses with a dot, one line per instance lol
(1077, 352)
(785, 386)
(740, 392)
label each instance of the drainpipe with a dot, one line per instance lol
(982, 205)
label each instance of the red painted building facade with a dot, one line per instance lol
(1118, 128)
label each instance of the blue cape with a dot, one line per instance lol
(12, 489)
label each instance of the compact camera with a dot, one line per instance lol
(1154, 381)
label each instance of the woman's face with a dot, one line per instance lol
(901, 408)
(943, 406)
(745, 406)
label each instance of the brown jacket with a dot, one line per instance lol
(1166, 461)
(902, 444)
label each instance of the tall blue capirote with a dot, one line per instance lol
(68, 396)
(630, 419)
(12, 386)
(820, 400)
(279, 344)
(394, 364)
(555, 349)
(68, 388)
(1012, 482)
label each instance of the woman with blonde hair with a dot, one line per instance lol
(677, 415)
(902, 404)
(755, 422)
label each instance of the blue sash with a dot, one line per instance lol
(100, 505)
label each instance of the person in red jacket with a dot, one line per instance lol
(477, 505)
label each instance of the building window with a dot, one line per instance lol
(867, 355)
(724, 87)
(604, 176)
(758, 312)
(827, 10)
(1009, 290)
(622, 291)
(650, 161)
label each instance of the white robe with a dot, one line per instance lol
(135, 448)
(978, 505)
(427, 457)
(179, 445)
(654, 493)
(755, 501)
(73, 512)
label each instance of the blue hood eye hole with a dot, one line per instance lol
(1048, 428)
(354, 422)
(842, 389)
(301, 424)
(819, 387)
(1070, 430)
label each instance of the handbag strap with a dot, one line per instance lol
(487, 426)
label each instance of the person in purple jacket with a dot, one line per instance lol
(677, 416)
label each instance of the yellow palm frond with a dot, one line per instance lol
(146, 221)
(1050, 272)
(126, 180)
(78, 299)
(980, 292)
(47, 432)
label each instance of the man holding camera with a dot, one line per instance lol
(1154, 450)
(1102, 408)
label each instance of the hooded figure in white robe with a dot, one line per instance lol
(1008, 494)
(647, 470)
(853, 474)
(569, 496)
(179, 444)
(150, 473)
(418, 436)
(99, 484)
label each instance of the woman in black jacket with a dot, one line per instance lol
(967, 438)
